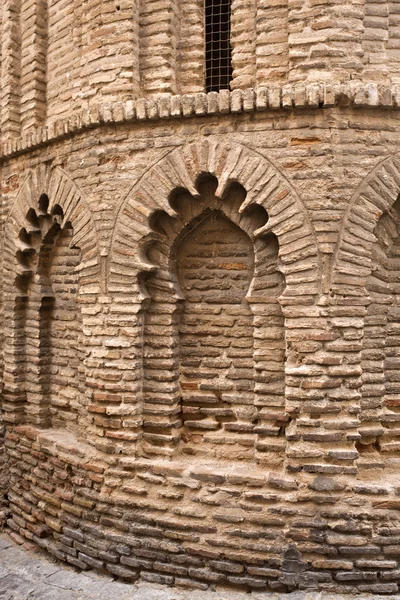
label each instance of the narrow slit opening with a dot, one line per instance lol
(218, 45)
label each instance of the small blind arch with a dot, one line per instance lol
(218, 45)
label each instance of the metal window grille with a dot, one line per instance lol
(218, 45)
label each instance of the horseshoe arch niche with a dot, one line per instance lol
(51, 249)
(47, 318)
(213, 331)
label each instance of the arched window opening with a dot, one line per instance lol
(218, 45)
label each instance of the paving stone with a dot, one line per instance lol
(44, 592)
(13, 586)
(17, 557)
(5, 543)
(69, 580)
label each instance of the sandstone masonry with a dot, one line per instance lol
(200, 292)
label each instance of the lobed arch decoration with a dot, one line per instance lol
(367, 267)
(213, 336)
(50, 255)
(240, 185)
(374, 197)
(229, 163)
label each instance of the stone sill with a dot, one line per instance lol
(64, 444)
(382, 491)
(287, 97)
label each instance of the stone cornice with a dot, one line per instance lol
(287, 97)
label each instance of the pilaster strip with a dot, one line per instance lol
(191, 48)
(272, 46)
(10, 69)
(243, 40)
(33, 62)
(375, 38)
(158, 23)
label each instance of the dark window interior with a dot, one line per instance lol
(218, 45)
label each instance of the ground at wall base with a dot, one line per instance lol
(31, 574)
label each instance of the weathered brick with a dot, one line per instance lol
(199, 307)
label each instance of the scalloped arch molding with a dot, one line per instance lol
(375, 195)
(61, 191)
(264, 185)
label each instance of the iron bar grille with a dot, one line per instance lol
(218, 45)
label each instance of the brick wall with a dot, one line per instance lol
(283, 455)
(64, 330)
(215, 329)
(215, 264)
(199, 293)
(380, 348)
(63, 57)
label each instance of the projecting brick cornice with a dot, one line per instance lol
(287, 97)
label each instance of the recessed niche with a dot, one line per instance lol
(214, 345)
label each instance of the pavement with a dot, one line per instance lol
(27, 573)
